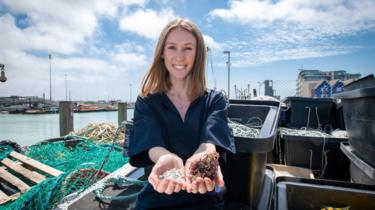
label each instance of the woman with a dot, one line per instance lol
(177, 122)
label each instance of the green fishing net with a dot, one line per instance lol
(79, 162)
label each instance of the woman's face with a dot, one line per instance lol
(179, 53)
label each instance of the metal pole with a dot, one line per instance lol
(228, 65)
(66, 89)
(50, 80)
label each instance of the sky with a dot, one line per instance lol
(100, 49)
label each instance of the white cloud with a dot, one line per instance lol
(332, 17)
(130, 60)
(59, 26)
(211, 43)
(147, 23)
(134, 2)
(295, 29)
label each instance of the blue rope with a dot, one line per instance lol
(120, 181)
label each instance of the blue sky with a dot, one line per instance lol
(102, 48)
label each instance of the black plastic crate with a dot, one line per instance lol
(320, 154)
(309, 112)
(364, 82)
(359, 116)
(244, 171)
(312, 194)
(265, 201)
(360, 171)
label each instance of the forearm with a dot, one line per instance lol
(156, 152)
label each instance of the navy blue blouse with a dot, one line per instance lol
(158, 123)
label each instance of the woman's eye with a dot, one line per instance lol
(188, 48)
(171, 47)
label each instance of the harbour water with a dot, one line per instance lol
(29, 129)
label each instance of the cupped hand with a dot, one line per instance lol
(199, 184)
(167, 184)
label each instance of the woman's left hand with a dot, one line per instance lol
(201, 185)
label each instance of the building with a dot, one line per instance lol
(309, 80)
(323, 90)
(268, 88)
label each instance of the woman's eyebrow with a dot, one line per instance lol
(173, 43)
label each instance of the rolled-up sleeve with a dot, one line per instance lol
(145, 135)
(216, 129)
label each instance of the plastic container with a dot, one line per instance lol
(266, 194)
(299, 193)
(364, 82)
(309, 112)
(359, 116)
(244, 171)
(360, 171)
(322, 155)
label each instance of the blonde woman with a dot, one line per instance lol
(177, 121)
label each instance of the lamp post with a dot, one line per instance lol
(3, 78)
(228, 65)
(50, 79)
(66, 88)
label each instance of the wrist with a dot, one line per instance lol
(206, 148)
(156, 153)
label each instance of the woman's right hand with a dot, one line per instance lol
(167, 185)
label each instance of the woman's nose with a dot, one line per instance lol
(180, 55)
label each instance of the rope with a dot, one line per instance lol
(121, 182)
(115, 137)
(308, 116)
(317, 117)
(254, 122)
(311, 157)
(324, 162)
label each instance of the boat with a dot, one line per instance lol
(88, 108)
(94, 108)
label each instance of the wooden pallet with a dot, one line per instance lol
(24, 167)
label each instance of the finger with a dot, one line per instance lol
(178, 187)
(153, 181)
(210, 185)
(188, 183)
(170, 188)
(201, 186)
(219, 178)
(194, 187)
(153, 177)
(162, 186)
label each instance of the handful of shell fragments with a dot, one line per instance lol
(174, 173)
(205, 167)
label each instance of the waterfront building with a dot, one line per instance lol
(314, 83)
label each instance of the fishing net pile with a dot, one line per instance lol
(80, 158)
(247, 131)
(311, 133)
(99, 132)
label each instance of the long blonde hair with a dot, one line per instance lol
(156, 80)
